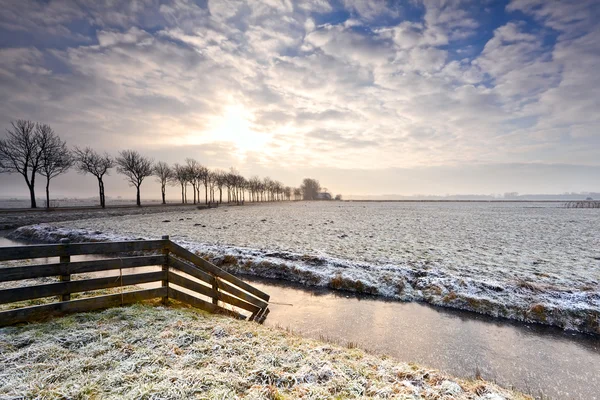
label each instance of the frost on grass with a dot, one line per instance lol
(529, 264)
(147, 351)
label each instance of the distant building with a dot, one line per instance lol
(323, 196)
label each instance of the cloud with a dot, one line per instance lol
(323, 84)
(336, 140)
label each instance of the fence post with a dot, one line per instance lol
(215, 287)
(65, 260)
(165, 268)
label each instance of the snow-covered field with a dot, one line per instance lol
(527, 261)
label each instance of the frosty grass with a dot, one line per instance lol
(151, 352)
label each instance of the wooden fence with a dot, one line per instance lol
(583, 204)
(182, 276)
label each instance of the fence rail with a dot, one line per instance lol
(183, 276)
(583, 204)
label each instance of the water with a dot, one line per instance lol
(525, 261)
(532, 358)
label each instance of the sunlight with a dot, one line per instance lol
(233, 126)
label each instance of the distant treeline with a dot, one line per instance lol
(480, 197)
(32, 149)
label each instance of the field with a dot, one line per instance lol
(534, 262)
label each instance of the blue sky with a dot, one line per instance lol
(392, 91)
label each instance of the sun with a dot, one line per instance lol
(234, 125)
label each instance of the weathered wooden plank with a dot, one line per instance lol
(215, 287)
(67, 287)
(210, 292)
(165, 269)
(213, 269)
(263, 316)
(190, 269)
(227, 287)
(65, 277)
(196, 272)
(27, 314)
(79, 267)
(72, 249)
(201, 304)
(256, 316)
(189, 284)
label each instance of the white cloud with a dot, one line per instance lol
(342, 94)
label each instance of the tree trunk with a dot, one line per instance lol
(48, 192)
(220, 195)
(100, 191)
(32, 195)
(182, 198)
(205, 193)
(163, 194)
(138, 201)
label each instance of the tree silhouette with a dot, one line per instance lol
(193, 176)
(21, 152)
(163, 174)
(180, 176)
(135, 167)
(56, 157)
(88, 161)
(310, 188)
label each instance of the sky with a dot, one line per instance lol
(370, 97)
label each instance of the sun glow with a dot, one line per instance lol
(234, 126)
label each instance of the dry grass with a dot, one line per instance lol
(152, 352)
(339, 282)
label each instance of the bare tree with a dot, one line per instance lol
(163, 174)
(56, 157)
(287, 191)
(180, 176)
(89, 161)
(310, 188)
(297, 194)
(21, 152)
(193, 168)
(254, 185)
(135, 167)
(204, 177)
(220, 178)
(213, 181)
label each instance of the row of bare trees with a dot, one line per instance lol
(230, 183)
(32, 149)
